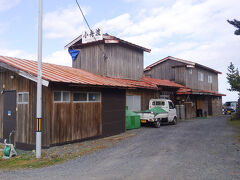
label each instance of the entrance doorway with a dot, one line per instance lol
(9, 115)
(199, 107)
(210, 106)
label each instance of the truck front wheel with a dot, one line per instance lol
(157, 124)
(174, 122)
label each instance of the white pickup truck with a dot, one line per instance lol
(160, 111)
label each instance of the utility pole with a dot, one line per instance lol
(39, 86)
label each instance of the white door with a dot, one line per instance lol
(172, 111)
(133, 102)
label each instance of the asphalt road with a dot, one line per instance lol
(203, 149)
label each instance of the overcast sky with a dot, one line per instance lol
(194, 30)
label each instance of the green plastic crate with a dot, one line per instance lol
(132, 120)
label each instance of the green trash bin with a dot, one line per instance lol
(132, 120)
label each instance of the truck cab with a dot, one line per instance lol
(165, 104)
(160, 111)
(230, 107)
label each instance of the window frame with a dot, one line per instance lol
(100, 97)
(200, 76)
(22, 93)
(61, 101)
(87, 101)
(210, 78)
(80, 101)
(170, 104)
(190, 71)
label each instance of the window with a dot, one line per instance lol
(200, 76)
(65, 96)
(190, 71)
(209, 79)
(160, 103)
(61, 96)
(80, 97)
(57, 96)
(86, 97)
(171, 106)
(22, 97)
(94, 97)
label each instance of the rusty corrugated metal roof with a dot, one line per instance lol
(65, 74)
(57, 73)
(185, 91)
(135, 83)
(161, 82)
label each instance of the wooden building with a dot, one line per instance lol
(77, 104)
(200, 94)
(148, 88)
(122, 61)
(111, 57)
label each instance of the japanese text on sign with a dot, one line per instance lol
(92, 35)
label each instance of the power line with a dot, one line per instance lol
(104, 55)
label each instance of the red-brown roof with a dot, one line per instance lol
(186, 90)
(65, 74)
(57, 73)
(140, 84)
(161, 82)
(182, 61)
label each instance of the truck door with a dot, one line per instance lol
(172, 111)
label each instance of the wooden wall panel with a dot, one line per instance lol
(181, 75)
(121, 62)
(75, 121)
(26, 113)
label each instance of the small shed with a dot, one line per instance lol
(77, 105)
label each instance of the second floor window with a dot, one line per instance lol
(200, 76)
(209, 79)
(190, 71)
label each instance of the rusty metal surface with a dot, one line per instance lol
(57, 73)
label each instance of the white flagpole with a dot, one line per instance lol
(39, 86)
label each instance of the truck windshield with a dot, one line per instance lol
(230, 103)
(158, 103)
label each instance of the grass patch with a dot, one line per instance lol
(57, 155)
(29, 162)
(235, 123)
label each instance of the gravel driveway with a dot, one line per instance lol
(195, 149)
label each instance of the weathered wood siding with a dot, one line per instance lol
(121, 62)
(164, 70)
(72, 121)
(75, 121)
(190, 110)
(175, 71)
(91, 59)
(25, 115)
(62, 122)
